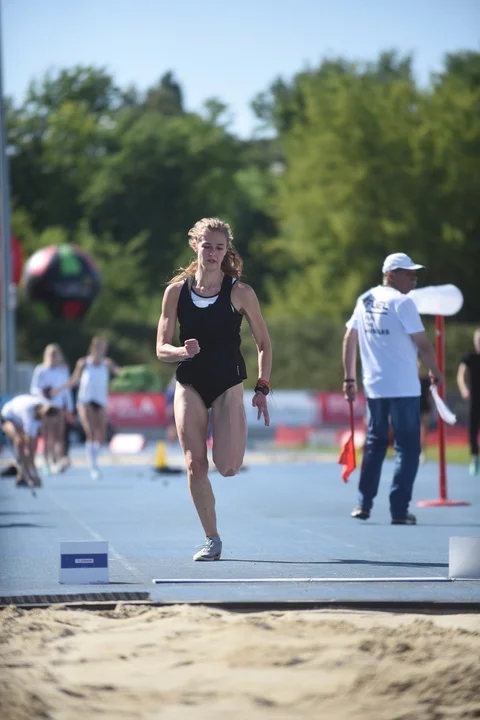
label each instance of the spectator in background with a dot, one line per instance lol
(51, 374)
(92, 374)
(388, 328)
(470, 366)
(21, 419)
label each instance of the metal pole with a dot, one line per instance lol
(442, 500)
(8, 296)
(440, 349)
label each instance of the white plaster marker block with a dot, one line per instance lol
(84, 563)
(464, 558)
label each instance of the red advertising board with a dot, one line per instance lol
(137, 409)
(333, 408)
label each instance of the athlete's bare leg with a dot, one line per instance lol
(229, 425)
(93, 421)
(30, 449)
(64, 460)
(14, 434)
(24, 449)
(48, 432)
(191, 418)
(85, 415)
(99, 425)
(59, 430)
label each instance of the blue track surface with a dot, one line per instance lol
(276, 521)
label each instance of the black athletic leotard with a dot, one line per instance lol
(219, 365)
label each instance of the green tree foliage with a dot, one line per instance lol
(352, 161)
(166, 172)
(56, 138)
(375, 165)
(166, 97)
(124, 175)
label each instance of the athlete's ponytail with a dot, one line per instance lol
(232, 263)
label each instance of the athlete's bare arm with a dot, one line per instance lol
(246, 302)
(166, 351)
(113, 368)
(73, 380)
(462, 381)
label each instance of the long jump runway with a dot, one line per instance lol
(286, 530)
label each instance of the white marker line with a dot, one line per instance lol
(178, 581)
(123, 561)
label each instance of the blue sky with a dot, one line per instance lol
(231, 50)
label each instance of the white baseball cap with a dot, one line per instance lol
(400, 261)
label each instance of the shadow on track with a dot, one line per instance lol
(334, 561)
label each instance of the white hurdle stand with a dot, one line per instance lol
(84, 563)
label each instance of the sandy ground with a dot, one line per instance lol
(185, 661)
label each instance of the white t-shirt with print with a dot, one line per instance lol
(385, 318)
(20, 410)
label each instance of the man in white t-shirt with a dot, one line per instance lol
(388, 328)
(20, 420)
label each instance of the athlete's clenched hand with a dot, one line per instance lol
(260, 402)
(192, 348)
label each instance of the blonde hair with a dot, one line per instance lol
(49, 350)
(232, 263)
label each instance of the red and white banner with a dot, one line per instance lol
(334, 409)
(292, 408)
(137, 409)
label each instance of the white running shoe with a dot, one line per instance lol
(210, 550)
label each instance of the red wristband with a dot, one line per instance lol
(264, 382)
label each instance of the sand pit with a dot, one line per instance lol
(184, 662)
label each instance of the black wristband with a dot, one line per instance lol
(349, 380)
(262, 389)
